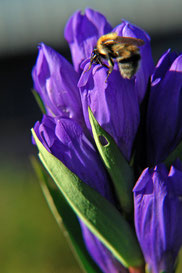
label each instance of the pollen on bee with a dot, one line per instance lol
(125, 50)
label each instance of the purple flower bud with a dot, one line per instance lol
(164, 123)
(114, 104)
(82, 32)
(65, 139)
(51, 76)
(158, 215)
(146, 65)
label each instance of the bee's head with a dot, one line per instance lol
(95, 52)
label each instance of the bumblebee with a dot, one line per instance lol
(125, 50)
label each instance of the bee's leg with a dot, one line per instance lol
(91, 62)
(95, 59)
(92, 59)
(111, 66)
(101, 62)
(89, 66)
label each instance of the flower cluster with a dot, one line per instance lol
(143, 115)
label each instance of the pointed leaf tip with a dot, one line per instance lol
(100, 216)
(118, 167)
(66, 219)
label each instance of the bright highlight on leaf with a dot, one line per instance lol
(117, 166)
(66, 218)
(39, 101)
(94, 210)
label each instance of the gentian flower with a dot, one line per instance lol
(52, 82)
(164, 125)
(157, 194)
(65, 139)
(158, 215)
(82, 32)
(146, 65)
(65, 131)
(115, 103)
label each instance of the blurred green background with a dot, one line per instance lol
(30, 240)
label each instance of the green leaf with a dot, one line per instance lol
(100, 216)
(177, 153)
(117, 166)
(66, 219)
(39, 101)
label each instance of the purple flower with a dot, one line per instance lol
(157, 194)
(51, 76)
(82, 32)
(115, 104)
(158, 215)
(164, 123)
(65, 139)
(146, 65)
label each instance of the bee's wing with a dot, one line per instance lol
(129, 40)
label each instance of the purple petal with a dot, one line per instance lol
(114, 104)
(163, 65)
(51, 75)
(158, 216)
(164, 123)
(66, 140)
(100, 254)
(82, 32)
(146, 67)
(44, 132)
